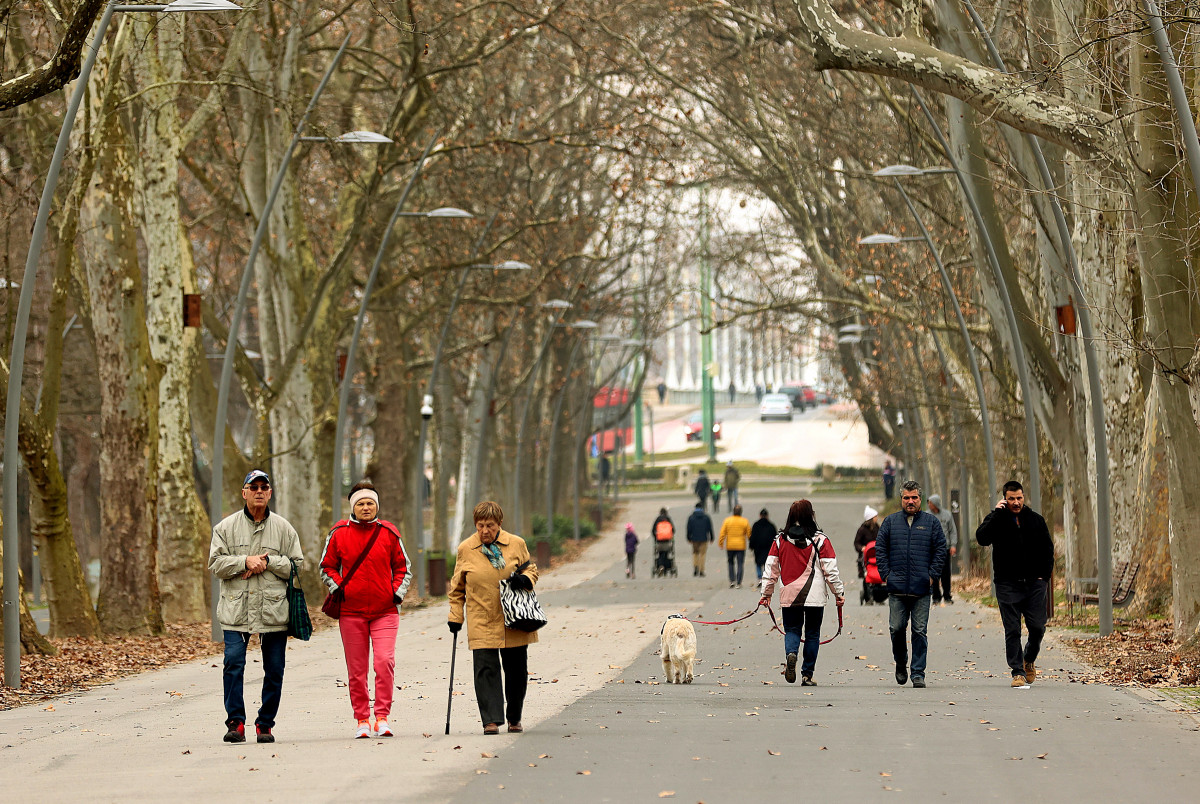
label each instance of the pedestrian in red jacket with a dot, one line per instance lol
(371, 610)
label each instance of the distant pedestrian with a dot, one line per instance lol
(803, 561)
(371, 609)
(631, 543)
(604, 467)
(735, 533)
(664, 542)
(889, 480)
(484, 559)
(758, 392)
(762, 536)
(716, 487)
(910, 551)
(732, 478)
(941, 592)
(703, 489)
(699, 534)
(253, 552)
(865, 535)
(1023, 558)
(662, 393)
(732, 392)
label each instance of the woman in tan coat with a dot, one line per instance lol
(484, 559)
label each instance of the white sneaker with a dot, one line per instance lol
(381, 728)
(364, 730)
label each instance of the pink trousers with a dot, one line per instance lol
(361, 636)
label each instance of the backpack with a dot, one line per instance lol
(663, 532)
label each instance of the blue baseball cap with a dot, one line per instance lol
(255, 474)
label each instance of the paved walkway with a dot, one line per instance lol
(600, 726)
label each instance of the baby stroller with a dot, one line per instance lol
(874, 590)
(664, 550)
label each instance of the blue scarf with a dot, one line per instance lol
(492, 551)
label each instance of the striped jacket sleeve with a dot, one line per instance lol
(829, 568)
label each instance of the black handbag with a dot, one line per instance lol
(521, 608)
(333, 601)
(299, 623)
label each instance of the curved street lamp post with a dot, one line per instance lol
(16, 365)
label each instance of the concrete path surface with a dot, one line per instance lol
(601, 726)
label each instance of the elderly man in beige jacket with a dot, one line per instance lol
(252, 552)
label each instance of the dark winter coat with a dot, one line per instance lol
(762, 535)
(866, 534)
(703, 487)
(1022, 549)
(909, 555)
(700, 527)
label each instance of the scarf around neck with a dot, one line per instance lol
(492, 551)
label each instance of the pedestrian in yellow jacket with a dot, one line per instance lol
(735, 534)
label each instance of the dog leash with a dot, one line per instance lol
(724, 622)
(775, 624)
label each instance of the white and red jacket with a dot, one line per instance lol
(806, 572)
(380, 583)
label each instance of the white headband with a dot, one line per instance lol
(361, 494)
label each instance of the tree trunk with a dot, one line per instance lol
(129, 598)
(182, 520)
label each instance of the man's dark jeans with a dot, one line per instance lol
(942, 592)
(1022, 599)
(736, 559)
(901, 609)
(274, 651)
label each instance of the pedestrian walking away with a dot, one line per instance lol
(664, 543)
(1022, 559)
(716, 486)
(941, 592)
(703, 489)
(735, 533)
(501, 656)
(802, 561)
(364, 557)
(732, 392)
(253, 552)
(631, 543)
(910, 551)
(662, 393)
(889, 480)
(732, 478)
(699, 534)
(762, 536)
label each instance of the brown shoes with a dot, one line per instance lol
(1019, 681)
(1030, 672)
(515, 728)
(491, 728)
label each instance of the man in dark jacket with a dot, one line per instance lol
(703, 488)
(1022, 558)
(910, 551)
(762, 536)
(699, 533)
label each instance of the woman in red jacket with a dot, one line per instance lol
(370, 612)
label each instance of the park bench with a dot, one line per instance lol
(1124, 576)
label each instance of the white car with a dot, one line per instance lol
(775, 406)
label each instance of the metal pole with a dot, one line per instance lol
(1183, 109)
(964, 473)
(650, 411)
(707, 404)
(344, 393)
(1031, 445)
(1099, 433)
(966, 336)
(235, 322)
(16, 368)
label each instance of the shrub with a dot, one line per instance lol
(564, 530)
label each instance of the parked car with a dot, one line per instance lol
(775, 406)
(795, 393)
(694, 426)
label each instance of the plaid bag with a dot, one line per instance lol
(299, 623)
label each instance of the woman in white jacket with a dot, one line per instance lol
(803, 560)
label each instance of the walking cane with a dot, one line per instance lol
(450, 699)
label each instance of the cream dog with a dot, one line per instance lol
(678, 650)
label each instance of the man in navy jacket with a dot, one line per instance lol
(910, 551)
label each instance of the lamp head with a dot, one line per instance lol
(427, 407)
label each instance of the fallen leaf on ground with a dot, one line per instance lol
(583, 773)
(486, 755)
(1043, 756)
(667, 794)
(543, 756)
(773, 753)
